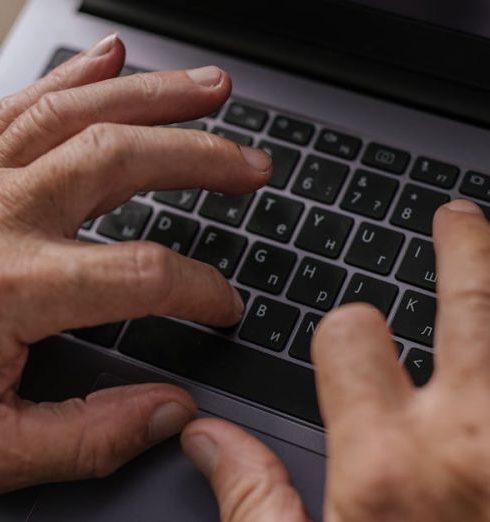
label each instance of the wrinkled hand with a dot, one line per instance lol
(70, 150)
(395, 453)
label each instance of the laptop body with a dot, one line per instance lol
(390, 106)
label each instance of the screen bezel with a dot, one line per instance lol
(335, 41)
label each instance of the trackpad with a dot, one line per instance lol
(163, 485)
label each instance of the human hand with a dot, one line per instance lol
(395, 452)
(70, 150)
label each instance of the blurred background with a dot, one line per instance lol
(9, 9)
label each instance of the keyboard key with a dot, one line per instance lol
(103, 335)
(246, 117)
(193, 125)
(324, 232)
(416, 208)
(182, 199)
(126, 222)
(237, 137)
(284, 161)
(320, 179)
(375, 248)
(415, 318)
(316, 284)
(301, 346)
(338, 144)
(386, 158)
(419, 265)
(88, 224)
(275, 217)
(174, 231)
(420, 366)
(226, 209)
(435, 173)
(221, 249)
(267, 267)
(224, 364)
(269, 324)
(364, 289)
(369, 194)
(294, 131)
(476, 185)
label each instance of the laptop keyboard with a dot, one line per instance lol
(344, 219)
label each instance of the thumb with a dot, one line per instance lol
(80, 439)
(250, 482)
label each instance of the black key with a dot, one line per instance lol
(316, 284)
(399, 348)
(183, 199)
(295, 131)
(174, 231)
(194, 125)
(220, 248)
(369, 194)
(267, 267)
(301, 346)
(230, 330)
(419, 265)
(126, 222)
(104, 335)
(275, 217)
(415, 318)
(224, 364)
(284, 161)
(486, 211)
(375, 248)
(88, 224)
(364, 289)
(246, 116)
(237, 137)
(226, 209)
(420, 366)
(338, 144)
(320, 179)
(477, 185)
(435, 173)
(324, 232)
(269, 323)
(386, 158)
(416, 208)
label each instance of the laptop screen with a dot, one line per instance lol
(469, 16)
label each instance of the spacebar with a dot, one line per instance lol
(223, 364)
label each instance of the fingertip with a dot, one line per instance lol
(463, 206)
(257, 159)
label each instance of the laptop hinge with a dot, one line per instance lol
(361, 74)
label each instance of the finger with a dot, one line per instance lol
(80, 439)
(107, 164)
(462, 244)
(357, 371)
(250, 482)
(110, 283)
(103, 61)
(142, 99)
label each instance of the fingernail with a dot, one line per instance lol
(463, 205)
(102, 47)
(168, 420)
(257, 159)
(202, 451)
(209, 76)
(238, 302)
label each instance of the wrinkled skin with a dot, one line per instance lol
(69, 150)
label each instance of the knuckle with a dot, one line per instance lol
(105, 141)
(154, 270)
(149, 85)
(47, 113)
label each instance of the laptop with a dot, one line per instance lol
(375, 113)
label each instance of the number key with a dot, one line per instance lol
(369, 194)
(416, 208)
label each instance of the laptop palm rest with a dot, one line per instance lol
(163, 485)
